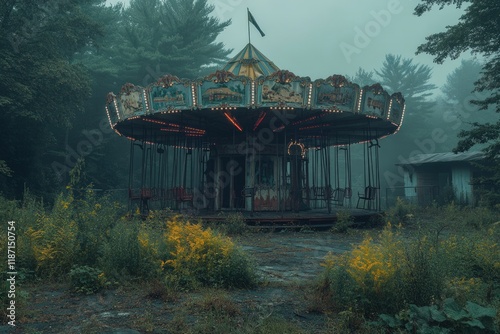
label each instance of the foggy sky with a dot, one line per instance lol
(318, 38)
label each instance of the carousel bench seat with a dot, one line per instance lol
(182, 194)
(339, 194)
(369, 195)
(143, 193)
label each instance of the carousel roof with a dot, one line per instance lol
(250, 62)
(249, 97)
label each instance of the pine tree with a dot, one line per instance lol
(143, 42)
(42, 89)
(412, 80)
(477, 32)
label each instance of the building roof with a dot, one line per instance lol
(446, 157)
(250, 62)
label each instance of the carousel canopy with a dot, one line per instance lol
(250, 62)
(251, 97)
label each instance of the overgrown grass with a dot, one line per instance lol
(90, 232)
(418, 267)
(88, 241)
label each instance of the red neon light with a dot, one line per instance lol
(233, 121)
(259, 120)
(153, 121)
(190, 131)
(307, 119)
(315, 126)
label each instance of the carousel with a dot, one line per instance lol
(253, 138)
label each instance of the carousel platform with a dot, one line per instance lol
(314, 218)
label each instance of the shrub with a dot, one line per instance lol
(54, 239)
(201, 257)
(423, 271)
(121, 254)
(235, 224)
(335, 289)
(86, 280)
(95, 216)
(402, 211)
(230, 224)
(383, 274)
(344, 221)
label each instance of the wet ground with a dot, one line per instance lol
(292, 256)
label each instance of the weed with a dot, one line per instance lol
(230, 224)
(402, 212)
(218, 303)
(86, 280)
(343, 222)
(160, 291)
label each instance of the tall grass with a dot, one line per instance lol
(421, 267)
(87, 231)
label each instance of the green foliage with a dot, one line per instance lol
(412, 80)
(121, 252)
(343, 222)
(278, 325)
(423, 271)
(475, 32)
(230, 224)
(402, 212)
(41, 89)
(53, 239)
(95, 216)
(449, 318)
(4, 169)
(86, 280)
(132, 249)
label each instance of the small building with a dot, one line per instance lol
(441, 177)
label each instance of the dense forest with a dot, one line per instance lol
(59, 59)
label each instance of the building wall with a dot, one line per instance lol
(461, 180)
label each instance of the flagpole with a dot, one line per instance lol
(248, 21)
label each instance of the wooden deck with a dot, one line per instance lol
(312, 218)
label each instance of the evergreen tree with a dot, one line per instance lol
(142, 42)
(412, 80)
(399, 74)
(458, 109)
(155, 37)
(41, 89)
(363, 78)
(478, 32)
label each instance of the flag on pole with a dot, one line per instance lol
(252, 20)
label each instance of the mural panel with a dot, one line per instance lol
(326, 96)
(272, 93)
(397, 106)
(131, 101)
(177, 96)
(375, 101)
(233, 93)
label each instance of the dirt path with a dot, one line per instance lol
(292, 256)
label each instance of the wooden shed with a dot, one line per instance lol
(441, 177)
